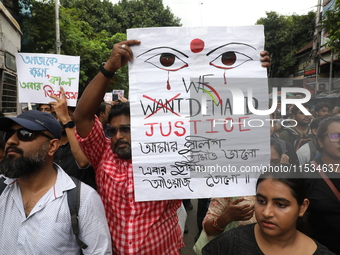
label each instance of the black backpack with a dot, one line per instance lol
(300, 139)
(73, 200)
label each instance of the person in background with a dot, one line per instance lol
(34, 213)
(322, 110)
(324, 196)
(286, 148)
(69, 154)
(336, 110)
(280, 205)
(45, 108)
(103, 115)
(307, 152)
(301, 133)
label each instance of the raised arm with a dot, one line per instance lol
(60, 107)
(95, 91)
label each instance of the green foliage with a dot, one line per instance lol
(332, 24)
(89, 29)
(284, 36)
(143, 13)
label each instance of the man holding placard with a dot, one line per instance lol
(136, 227)
(149, 227)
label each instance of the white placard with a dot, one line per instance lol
(193, 131)
(41, 75)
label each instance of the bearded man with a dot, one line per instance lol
(34, 212)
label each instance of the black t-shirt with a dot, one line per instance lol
(64, 158)
(324, 211)
(241, 241)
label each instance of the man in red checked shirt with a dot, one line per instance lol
(149, 228)
(136, 227)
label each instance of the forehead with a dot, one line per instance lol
(334, 127)
(325, 108)
(15, 126)
(45, 106)
(274, 188)
(120, 120)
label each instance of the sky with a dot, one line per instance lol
(233, 12)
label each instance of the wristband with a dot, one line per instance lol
(69, 124)
(105, 72)
(216, 226)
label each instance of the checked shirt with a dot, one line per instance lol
(136, 227)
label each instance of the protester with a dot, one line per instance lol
(322, 110)
(324, 210)
(336, 110)
(34, 213)
(287, 149)
(280, 205)
(45, 108)
(103, 113)
(103, 116)
(307, 152)
(69, 155)
(136, 227)
(230, 212)
(301, 133)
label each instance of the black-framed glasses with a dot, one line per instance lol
(333, 137)
(24, 134)
(124, 130)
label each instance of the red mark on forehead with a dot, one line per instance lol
(196, 45)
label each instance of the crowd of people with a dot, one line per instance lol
(42, 148)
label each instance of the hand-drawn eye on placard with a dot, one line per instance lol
(166, 58)
(229, 59)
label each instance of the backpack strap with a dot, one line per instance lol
(328, 181)
(73, 199)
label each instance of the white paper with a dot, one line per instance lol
(186, 84)
(41, 75)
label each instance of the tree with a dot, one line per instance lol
(331, 22)
(143, 13)
(284, 36)
(89, 29)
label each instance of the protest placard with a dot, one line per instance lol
(41, 75)
(193, 94)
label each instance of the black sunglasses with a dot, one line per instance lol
(23, 134)
(123, 129)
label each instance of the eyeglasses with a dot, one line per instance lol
(333, 137)
(124, 130)
(24, 134)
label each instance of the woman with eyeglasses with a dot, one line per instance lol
(324, 196)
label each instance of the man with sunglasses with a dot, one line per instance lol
(149, 228)
(324, 196)
(34, 212)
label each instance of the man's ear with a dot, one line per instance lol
(303, 207)
(53, 146)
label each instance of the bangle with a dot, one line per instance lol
(216, 226)
(105, 72)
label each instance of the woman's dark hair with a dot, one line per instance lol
(298, 186)
(322, 129)
(121, 108)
